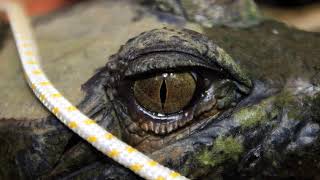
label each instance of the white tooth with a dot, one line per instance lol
(175, 125)
(156, 128)
(132, 127)
(151, 125)
(144, 126)
(163, 128)
(182, 123)
(169, 127)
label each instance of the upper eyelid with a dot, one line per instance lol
(164, 61)
(179, 41)
(161, 61)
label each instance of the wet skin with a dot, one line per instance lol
(248, 116)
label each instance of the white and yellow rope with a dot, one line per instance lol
(69, 114)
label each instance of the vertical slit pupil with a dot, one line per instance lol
(163, 93)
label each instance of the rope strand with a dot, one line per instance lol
(68, 114)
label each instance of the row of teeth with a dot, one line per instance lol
(162, 128)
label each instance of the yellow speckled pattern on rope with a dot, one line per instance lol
(69, 114)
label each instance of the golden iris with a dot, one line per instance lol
(166, 93)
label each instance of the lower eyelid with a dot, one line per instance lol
(207, 101)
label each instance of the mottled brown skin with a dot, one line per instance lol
(277, 140)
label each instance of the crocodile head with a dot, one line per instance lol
(177, 96)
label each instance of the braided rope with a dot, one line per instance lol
(69, 114)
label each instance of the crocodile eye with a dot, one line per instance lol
(165, 79)
(166, 93)
(162, 101)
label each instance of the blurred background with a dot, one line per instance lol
(303, 14)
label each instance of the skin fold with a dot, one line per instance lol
(264, 122)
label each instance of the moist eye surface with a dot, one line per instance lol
(166, 93)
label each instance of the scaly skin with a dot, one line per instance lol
(272, 130)
(209, 13)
